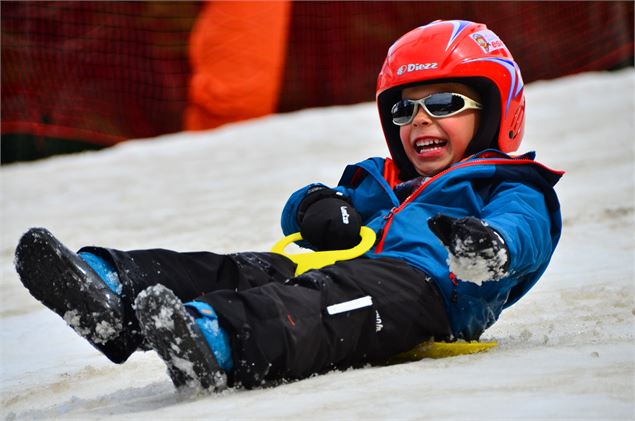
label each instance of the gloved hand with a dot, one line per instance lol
(328, 221)
(477, 253)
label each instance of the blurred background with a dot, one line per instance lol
(80, 75)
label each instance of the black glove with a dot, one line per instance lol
(477, 253)
(328, 221)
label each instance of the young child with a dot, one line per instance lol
(463, 231)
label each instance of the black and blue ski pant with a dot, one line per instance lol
(281, 326)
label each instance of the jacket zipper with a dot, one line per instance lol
(416, 193)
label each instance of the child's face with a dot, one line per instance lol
(433, 144)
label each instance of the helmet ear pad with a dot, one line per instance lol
(486, 135)
(489, 124)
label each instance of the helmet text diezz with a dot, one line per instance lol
(413, 67)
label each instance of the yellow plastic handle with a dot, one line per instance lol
(319, 259)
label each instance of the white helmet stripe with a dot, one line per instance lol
(458, 26)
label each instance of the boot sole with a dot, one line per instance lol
(174, 335)
(64, 283)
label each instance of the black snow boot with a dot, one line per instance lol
(170, 330)
(66, 284)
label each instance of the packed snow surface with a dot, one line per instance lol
(565, 350)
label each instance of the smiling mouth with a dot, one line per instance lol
(427, 145)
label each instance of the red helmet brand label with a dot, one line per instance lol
(414, 67)
(487, 40)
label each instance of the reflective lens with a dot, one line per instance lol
(439, 105)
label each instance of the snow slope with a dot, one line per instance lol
(566, 350)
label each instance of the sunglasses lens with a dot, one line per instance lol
(444, 103)
(402, 112)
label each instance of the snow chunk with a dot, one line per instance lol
(73, 318)
(164, 320)
(105, 332)
(187, 368)
(477, 267)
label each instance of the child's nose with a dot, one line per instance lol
(421, 117)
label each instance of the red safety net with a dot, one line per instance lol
(336, 48)
(103, 72)
(97, 71)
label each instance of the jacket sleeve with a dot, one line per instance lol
(518, 212)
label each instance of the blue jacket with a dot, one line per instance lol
(514, 196)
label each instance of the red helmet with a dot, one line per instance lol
(455, 51)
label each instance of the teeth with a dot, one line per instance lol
(429, 143)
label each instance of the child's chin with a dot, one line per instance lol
(432, 168)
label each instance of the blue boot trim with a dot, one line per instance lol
(104, 269)
(216, 337)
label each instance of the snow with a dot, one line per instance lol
(565, 350)
(486, 265)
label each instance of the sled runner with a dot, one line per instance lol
(436, 350)
(318, 259)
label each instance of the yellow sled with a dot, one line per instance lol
(318, 259)
(435, 350)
